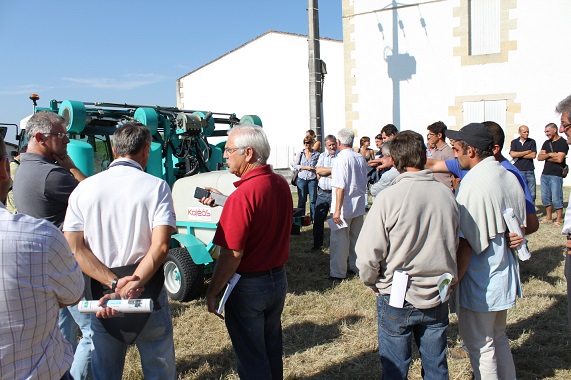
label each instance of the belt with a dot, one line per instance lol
(325, 191)
(262, 273)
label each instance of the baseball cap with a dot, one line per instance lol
(474, 134)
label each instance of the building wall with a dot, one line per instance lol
(424, 72)
(269, 77)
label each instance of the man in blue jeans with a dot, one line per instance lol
(553, 152)
(523, 150)
(323, 203)
(403, 233)
(253, 235)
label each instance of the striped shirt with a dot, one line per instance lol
(37, 271)
(326, 160)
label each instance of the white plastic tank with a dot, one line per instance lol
(189, 209)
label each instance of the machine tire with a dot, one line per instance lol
(184, 280)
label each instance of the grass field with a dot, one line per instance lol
(330, 330)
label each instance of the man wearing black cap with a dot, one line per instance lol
(485, 260)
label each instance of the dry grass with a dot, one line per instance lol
(330, 330)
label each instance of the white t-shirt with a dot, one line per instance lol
(349, 172)
(117, 210)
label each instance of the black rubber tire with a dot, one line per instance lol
(189, 276)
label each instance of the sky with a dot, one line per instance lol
(129, 51)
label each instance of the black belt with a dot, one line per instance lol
(262, 273)
(326, 191)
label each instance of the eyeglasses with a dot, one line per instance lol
(565, 126)
(60, 135)
(229, 151)
(306, 142)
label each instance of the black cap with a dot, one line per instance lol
(474, 134)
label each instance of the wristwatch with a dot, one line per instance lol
(114, 284)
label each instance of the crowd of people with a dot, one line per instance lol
(70, 242)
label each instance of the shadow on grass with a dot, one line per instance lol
(544, 351)
(543, 261)
(298, 337)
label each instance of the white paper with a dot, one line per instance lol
(334, 226)
(398, 289)
(231, 283)
(514, 226)
(443, 283)
(144, 305)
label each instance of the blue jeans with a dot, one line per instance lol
(322, 206)
(253, 319)
(530, 179)
(304, 188)
(396, 330)
(155, 345)
(70, 321)
(552, 191)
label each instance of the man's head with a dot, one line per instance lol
(47, 135)
(378, 141)
(386, 150)
(498, 136)
(408, 151)
(4, 171)
(388, 132)
(330, 144)
(436, 134)
(345, 138)
(132, 140)
(523, 132)
(247, 147)
(564, 108)
(472, 143)
(551, 131)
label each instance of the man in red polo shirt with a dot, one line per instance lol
(253, 235)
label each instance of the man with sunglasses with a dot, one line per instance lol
(45, 179)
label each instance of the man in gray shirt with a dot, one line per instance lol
(45, 179)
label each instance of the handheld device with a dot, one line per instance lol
(219, 199)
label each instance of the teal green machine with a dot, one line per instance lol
(180, 149)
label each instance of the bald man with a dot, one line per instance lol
(523, 150)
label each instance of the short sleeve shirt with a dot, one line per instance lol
(523, 164)
(554, 168)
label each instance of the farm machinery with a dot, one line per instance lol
(180, 154)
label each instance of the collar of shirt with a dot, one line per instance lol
(35, 157)
(260, 170)
(124, 161)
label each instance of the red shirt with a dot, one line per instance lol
(257, 219)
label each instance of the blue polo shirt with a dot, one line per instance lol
(454, 168)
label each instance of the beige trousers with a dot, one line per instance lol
(342, 248)
(484, 334)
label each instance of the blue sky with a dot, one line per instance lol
(129, 51)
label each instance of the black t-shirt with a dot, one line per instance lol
(523, 164)
(553, 168)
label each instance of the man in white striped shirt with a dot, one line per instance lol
(38, 275)
(323, 203)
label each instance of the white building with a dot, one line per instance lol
(417, 62)
(269, 77)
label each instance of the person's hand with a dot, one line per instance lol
(210, 201)
(211, 304)
(337, 217)
(64, 161)
(129, 287)
(108, 312)
(515, 240)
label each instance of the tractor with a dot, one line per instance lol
(180, 154)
